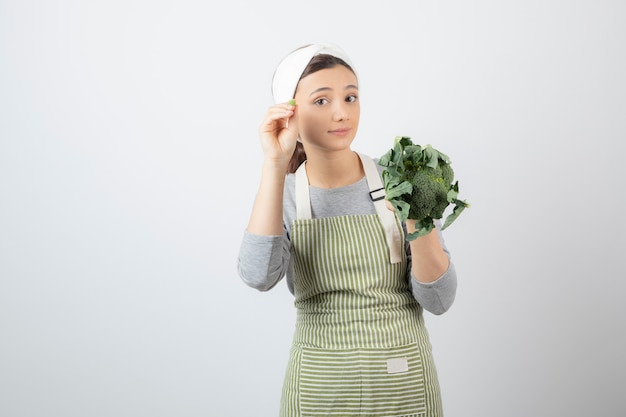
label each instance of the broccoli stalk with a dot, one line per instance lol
(419, 184)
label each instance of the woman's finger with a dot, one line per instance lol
(276, 117)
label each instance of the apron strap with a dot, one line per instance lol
(387, 217)
(377, 193)
(303, 200)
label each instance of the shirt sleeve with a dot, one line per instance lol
(438, 296)
(263, 260)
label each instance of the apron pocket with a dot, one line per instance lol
(372, 382)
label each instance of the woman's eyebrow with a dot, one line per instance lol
(349, 86)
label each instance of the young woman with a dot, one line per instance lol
(360, 347)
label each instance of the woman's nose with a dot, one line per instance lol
(341, 112)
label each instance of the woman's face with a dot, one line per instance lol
(328, 108)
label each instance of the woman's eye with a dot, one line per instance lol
(320, 101)
(351, 99)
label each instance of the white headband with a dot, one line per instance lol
(290, 69)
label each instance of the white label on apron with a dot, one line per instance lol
(397, 365)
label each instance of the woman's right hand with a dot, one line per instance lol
(279, 133)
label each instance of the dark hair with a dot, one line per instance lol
(317, 63)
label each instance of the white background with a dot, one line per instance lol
(129, 160)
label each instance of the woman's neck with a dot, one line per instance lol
(333, 170)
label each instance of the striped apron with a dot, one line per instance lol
(360, 347)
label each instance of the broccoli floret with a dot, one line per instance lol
(419, 184)
(430, 194)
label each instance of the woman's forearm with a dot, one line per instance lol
(267, 211)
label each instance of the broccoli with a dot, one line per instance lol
(419, 184)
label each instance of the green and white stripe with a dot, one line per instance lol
(356, 382)
(347, 293)
(355, 316)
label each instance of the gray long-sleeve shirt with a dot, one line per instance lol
(264, 260)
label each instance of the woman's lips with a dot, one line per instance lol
(340, 132)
